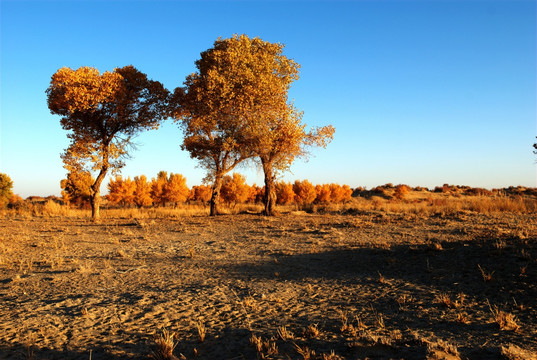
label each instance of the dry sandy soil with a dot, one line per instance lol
(354, 286)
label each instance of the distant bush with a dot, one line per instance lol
(234, 189)
(200, 193)
(304, 192)
(401, 191)
(6, 186)
(284, 193)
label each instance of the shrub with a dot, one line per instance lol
(234, 189)
(284, 193)
(304, 192)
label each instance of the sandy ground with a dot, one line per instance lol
(354, 286)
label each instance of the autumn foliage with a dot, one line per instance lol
(102, 113)
(6, 186)
(167, 190)
(234, 189)
(235, 107)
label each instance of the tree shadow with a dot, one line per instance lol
(380, 279)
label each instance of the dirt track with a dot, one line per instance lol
(359, 285)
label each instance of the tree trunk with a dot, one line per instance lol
(215, 197)
(270, 194)
(95, 198)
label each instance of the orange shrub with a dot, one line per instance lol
(176, 190)
(401, 191)
(142, 191)
(284, 193)
(201, 193)
(121, 192)
(234, 189)
(323, 193)
(256, 194)
(304, 192)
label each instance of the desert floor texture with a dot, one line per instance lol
(360, 285)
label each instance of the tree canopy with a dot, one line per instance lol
(236, 107)
(6, 186)
(103, 112)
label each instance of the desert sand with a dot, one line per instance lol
(358, 285)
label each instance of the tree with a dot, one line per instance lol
(76, 189)
(535, 147)
(121, 191)
(158, 188)
(323, 193)
(142, 191)
(6, 186)
(176, 190)
(234, 189)
(274, 132)
(103, 112)
(213, 108)
(256, 194)
(201, 193)
(304, 192)
(284, 193)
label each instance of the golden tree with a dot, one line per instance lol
(284, 193)
(121, 191)
(176, 190)
(103, 112)
(6, 186)
(304, 192)
(201, 193)
(275, 134)
(234, 189)
(76, 189)
(212, 110)
(256, 194)
(142, 191)
(323, 193)
(158, 188)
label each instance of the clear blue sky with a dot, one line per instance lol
(420, 92)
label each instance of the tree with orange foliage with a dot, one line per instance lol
(176, 190)
(234, 189)
(256, 194)
(76, 189)
(323, 193)
(103, 112)
(284, 193)
(274, 133)
(201, 193)
(339, 194)
(212, 110)
(142, 191)
(304, 192)
(158, 188)
(346, 193)
(121, 191)
(6, 186)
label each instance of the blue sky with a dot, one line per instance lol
(420, 92)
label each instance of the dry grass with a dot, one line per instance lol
(165, 344)
(419, 203)
(513, 352)
(487, 276)
(201, 331)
